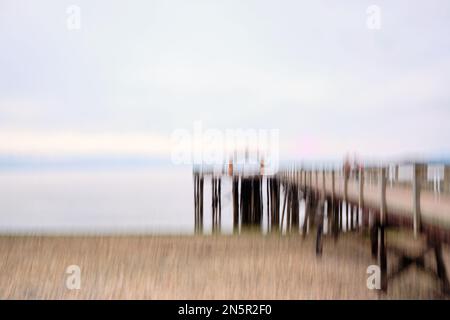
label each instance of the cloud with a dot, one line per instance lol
(314, 71)
(79, 144)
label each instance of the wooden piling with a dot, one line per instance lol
(306, 219)
(251, 209)
(319, 223)
(361, 195)
(196, 209)
(235, 195)
(382, 257)
(219, 204)
(346, 204)
(213, 204)
(416, 199)
(295, 216)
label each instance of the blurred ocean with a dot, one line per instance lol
(153, 199)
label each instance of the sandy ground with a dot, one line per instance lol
(248, 266)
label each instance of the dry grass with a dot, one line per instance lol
(197, 267)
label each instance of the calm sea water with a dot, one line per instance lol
(143, 200)
(156, 200)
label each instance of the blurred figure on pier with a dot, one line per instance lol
(357, 166)
(230, 167)
(347, 167)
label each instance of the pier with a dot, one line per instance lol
(370, 201)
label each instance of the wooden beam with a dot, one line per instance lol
(416, 199)
(382, 183)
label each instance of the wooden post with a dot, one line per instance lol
(323, 185)
(219, 191)
(300, 178)
(361, 195)
(290, 210)
(304, 179)
(286, 191)
(334, 208)
(440, 268)
(196, 208)
(235, 193)
(382, 257)
(295, 207)
(310, 180)
(346, 206)
(213, 204)
(373, 232)
(382, 181)
(275, 204)
(307, 213)
(319, 221)
(201, 206)
(268, 204)
(333, 196)
(317, 182)
(416, 199)
(324, 195)
(446, 182)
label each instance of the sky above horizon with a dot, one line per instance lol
(136, 72)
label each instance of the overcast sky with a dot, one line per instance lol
(138, 70)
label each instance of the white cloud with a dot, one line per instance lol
(76, 143)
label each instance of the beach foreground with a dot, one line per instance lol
(249, 266)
